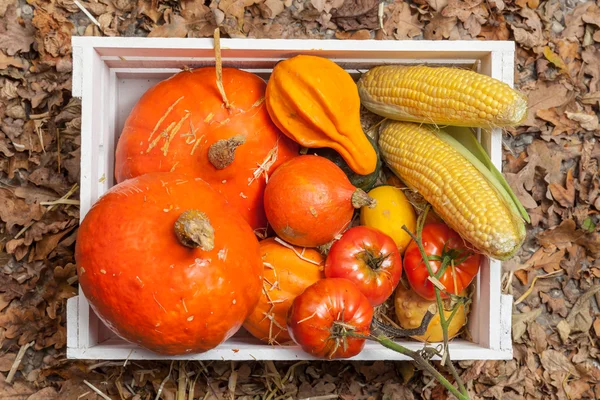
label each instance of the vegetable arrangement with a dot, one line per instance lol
(266, 205)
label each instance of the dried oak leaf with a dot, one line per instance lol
(546, 95)
(574, 24)
(530, 32)
(565, 196)
(556, 305)
(589, 122)
(520, 321)
(49, 178)
(17, 390)
(537, 334)
(591, 59)
(15, 36)
(396, 391)
(441, 27)
(354, 15)
(53, 35)
(174, 26)
(463, 10)
(6, 61)
(546, 259)
(567, 233)
(580, 318)
(561, 123)
(14, 211)
(556, 361)
(576, 261)
(495, 29)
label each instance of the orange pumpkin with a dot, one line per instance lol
(167, 263)
(309, 200)
(182, 125)
(287, 272)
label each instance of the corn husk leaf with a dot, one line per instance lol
(464, 141)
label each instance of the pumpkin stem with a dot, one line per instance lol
(219, 67)
(193, 229)
(360, 198)
(222, 152)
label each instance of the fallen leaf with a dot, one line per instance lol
(15, 211)
(396, 391)
(566, 234)
(463, 10)
(441, 27)
(175, 26)
(596, 326)
(496, 29)
(537, 334)
(555, 59)
(574, 24)
(50, 179)
(565, 196)
(271, 8)
(363, 34)
(53, 35)
(564, 330)
(556, 361)
(13, 36)
(530, 32)
(546, 259)
(355, 15)
(546, 95)
(580, 318)
(401, 24)
(6, 61)
(556, 305)
(520, 321)
(561, 123)
(589, 122)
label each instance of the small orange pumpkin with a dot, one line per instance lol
(309, 200)
(287, 272)
(168, 264)
(182, 125)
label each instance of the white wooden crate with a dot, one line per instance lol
(110, 75)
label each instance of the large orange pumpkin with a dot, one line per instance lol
(287, 272)
(182, 125)
(167, 263)
(309, 201)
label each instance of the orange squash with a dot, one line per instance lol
(182, 125)
(309, 200)
(316, 103)
(168, 264)
(287, 272)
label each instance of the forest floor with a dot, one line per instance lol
(551, 161)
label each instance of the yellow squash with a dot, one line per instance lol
(315, 102)
(392, 211)
(410, 309)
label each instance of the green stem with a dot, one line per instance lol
(421, 362)
(443, 322)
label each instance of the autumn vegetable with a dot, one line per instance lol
(370, 259)
(461, 189)
(410, 308)
(441, 95)
(309, 201)
(168, 264)
(364, 182)
(443, 246)
(392, 211)
(288, 270)
(182, 125)
(321, 318)
(316, 103)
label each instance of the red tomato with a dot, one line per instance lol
(321, 317)
(370, 259)
(439, 240)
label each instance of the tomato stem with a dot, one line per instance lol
(444, 323)
(373, 261)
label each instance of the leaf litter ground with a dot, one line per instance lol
(551, 161)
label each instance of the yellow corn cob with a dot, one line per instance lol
(441, 95)
(456, 190)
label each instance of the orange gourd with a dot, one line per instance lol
(316, 103)
(182, 125)
(309, 200)
(168, 264)
(287, 272)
